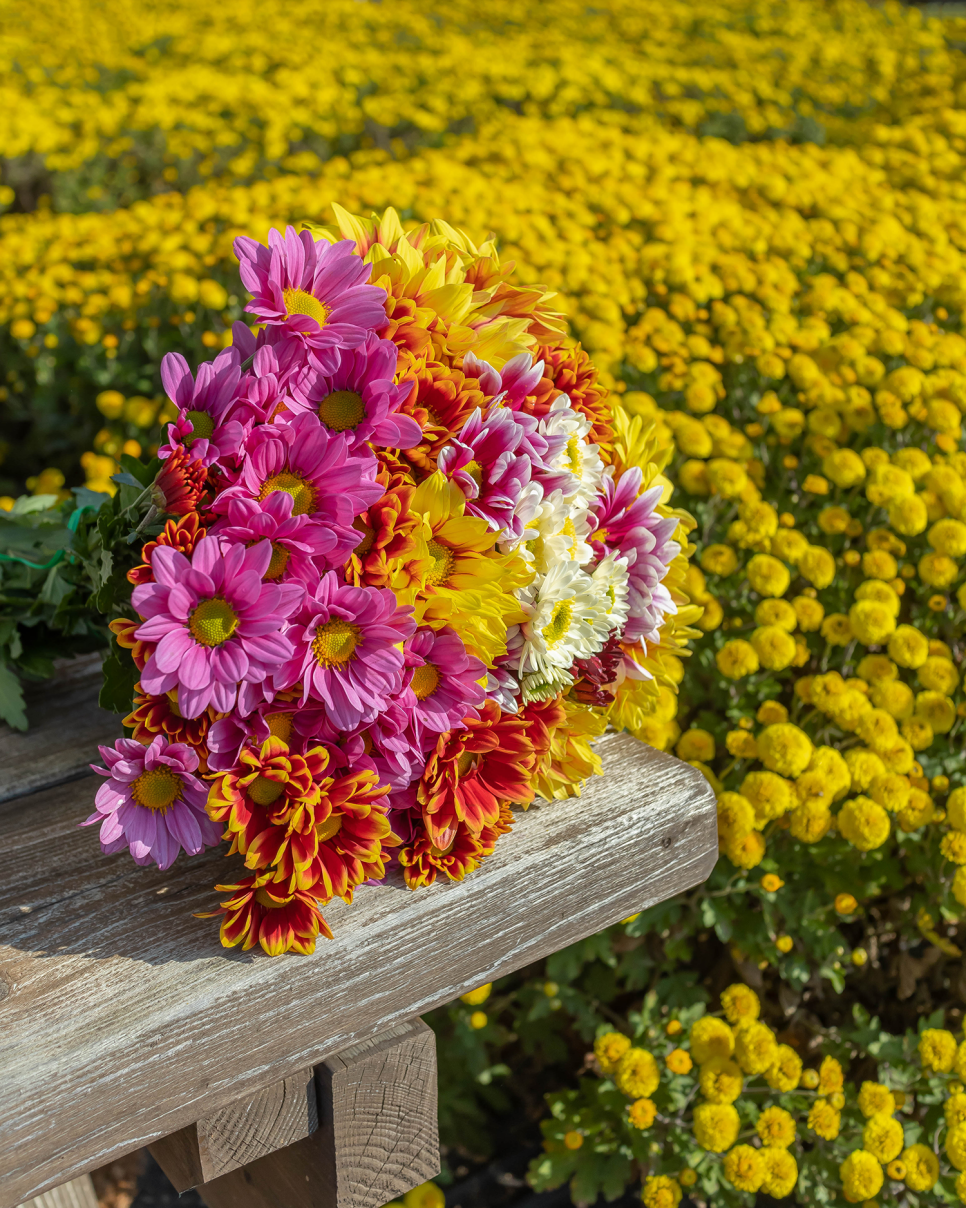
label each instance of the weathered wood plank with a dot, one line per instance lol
(66, 724)
(126, 1021)
(240, 1133)
(78, 1193)
(378, 1136)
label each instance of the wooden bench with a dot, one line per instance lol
(294, 1082)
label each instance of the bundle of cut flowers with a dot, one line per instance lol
(404, 565)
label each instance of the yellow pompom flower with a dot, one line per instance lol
(863, 823)
(609, 1049)
(642, 1113)
(939, 674)
(755, 1048)
(767, 575)
(428, 1195)
(719, 560)
(956, 808)
(877, 668)
(637, 1074)
(661, 1191)
(811, 820)
(871, 622)
(836, 629)
(776, 1127)
(830, 1076)
(817, 566)
(741, 744)
(875, 1098)
(936, 710)
(895, 697)
(954, 1109)
(786, 1071)
(961, 1187)
(891, 791)
(785, 749)
(573, 1139)
(775, 647)
(938, 570)
(736, 659)
(781, 1173)
(824, 1120)
(696, 744)
(879, 730)
(475, 998)
(956, 1146)
(845, 904)
(908, 515)
(771, 883)
(711, 1039)
(844, 468)
(789, 545)
(879, 564)
(678, 1061)
(740, 1004)
(736, 817)
(948, 537)
(744, 1168)
(747, 852)
(953, 847)
(771, 711)
(922, 1167)
(716, 1126)
(937, 1050)
(882, 1136)
(776, 612)
(720, 1080)
(809, 613)
(908, 647)
(833, 521)
(861, 1175)
(880, 592)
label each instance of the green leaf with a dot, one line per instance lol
(11, 699)
(120, 676)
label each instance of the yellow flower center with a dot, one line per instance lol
(570, 533)
(280, 726)
(276, 568)
(368, 537)
(425, 680)
(298, 302)
(335, 643)
(558, 626)
(575, 455)
(302, 492)
(213, 622)
(264, 791)
(157, 789)
(443, 560)
(202, 424)
(331, 826)
(342, 409)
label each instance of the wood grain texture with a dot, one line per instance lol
(78, 1193)
(66, 724)
(250, 1128)
(125, 1020)
(378, 1136)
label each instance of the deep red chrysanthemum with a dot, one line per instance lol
(473, 771)
(595, 681)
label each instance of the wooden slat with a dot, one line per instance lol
(78, 1193)
(242, 1132)
(125, 1019)
(378, 1136)
(66, 726)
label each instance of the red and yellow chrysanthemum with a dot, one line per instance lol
(472, 772)
(123, 631)
(182, 534)
(261, 912)
(390, 553)
(442, 401)
(354, 834)
(422, 861)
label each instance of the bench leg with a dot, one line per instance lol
(78, 1193)
(377, 1137)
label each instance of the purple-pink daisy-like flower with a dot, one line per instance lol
(487, 465)
(206, 423)
(227, 735)
(629, 527)
(510, 385)
(443, 683)
(217, 625)
(313, 466)
(297, 541)
(318, 290)
(357, 396)
(345, 650)
(152, 803)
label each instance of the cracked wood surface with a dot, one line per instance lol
(123, 1020)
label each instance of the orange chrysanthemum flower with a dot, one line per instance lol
(182, 535)
(442, 402)
(408, 327)
(388, 529)
(160, 715)
(472, 772)
(570, 371)
(123, 631)
(260, 912)
(354, 834)
(543, 718)
(423, 861)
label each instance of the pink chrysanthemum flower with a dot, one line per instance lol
(297, 541)
(510, 385)
(314, 467)
(318, 290)
(206, 423)
(442, 685)
(629, 527)
(216, 623)
(152, 804)
(345, 650)
(487, 464)
(357, 396)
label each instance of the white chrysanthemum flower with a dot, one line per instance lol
(580, 457)
(565, 620)
(558, 532)
(528, 508)
(610, 579)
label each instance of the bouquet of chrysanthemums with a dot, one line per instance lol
(413, 565)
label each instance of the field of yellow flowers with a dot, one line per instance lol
(754, 212)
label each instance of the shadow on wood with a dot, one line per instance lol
(78, 1193)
